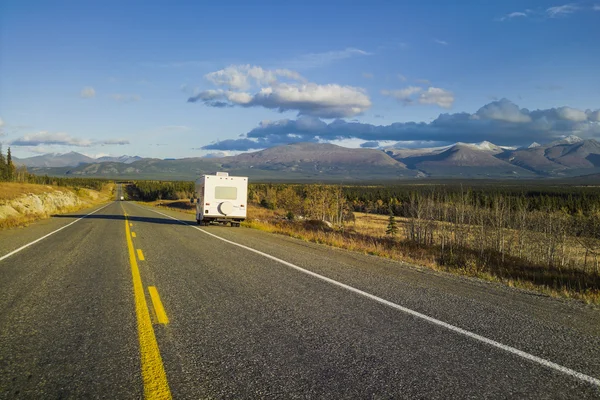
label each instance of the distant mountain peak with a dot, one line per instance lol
(533, 145)
(571, 139)
(484, 146)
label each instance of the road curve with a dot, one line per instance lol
(251, 316)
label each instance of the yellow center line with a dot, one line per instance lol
(140, 255)
(154, 376)
(161, 315)
(132, 234)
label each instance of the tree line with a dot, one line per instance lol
(161, 190)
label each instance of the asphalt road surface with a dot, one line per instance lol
(129, 303)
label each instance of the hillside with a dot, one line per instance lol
(465, 161)
(302, 161)
(567, 157)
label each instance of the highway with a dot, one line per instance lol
(133, 302)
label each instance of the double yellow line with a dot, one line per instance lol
(153, 371)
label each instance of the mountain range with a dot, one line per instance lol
(71, 159)
(568, 157)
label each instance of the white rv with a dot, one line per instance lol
(221, 198)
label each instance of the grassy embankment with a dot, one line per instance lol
(367, 235)
(13, 191)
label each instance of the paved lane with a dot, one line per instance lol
(67, 329)
(231, 323)
(244, 326)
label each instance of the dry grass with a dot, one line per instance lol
(10, 191)
(367, 235)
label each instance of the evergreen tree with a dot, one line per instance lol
(392, 228)
(3, 166)
(10, 167)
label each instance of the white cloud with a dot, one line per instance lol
(502, 110)
(571, 114)
(432, 95)
(126, 98)
(243, 77)
(442, 42)
(424, 81)
(596, 7)
(593, 116)
(315, 60)
(438, 96)
(119, 142)
(402, 78)
(403, 95)
(368, 75)
(241, 98)
(87, 92)
(43, 139)
(48, 138)
(1, 126)
(326, 101)
(560, 11)
(516, 14)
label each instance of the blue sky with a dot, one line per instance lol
(184, 79)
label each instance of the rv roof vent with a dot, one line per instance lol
(222, 173)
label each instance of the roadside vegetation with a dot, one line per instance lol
(537, 237)
(16, 184)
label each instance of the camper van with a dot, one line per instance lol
(221, 198)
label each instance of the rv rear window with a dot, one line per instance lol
(225, 193)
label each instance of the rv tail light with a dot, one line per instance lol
(208, 204)
(241, 205)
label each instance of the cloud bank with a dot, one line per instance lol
(281, 90)
(44, 138)
(501, 122)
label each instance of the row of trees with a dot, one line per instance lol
(158, 190)
(534, 197)
(318, 202)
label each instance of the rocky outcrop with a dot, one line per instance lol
(41, 205)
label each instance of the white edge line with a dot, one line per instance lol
(520, 353)
(51, 233)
